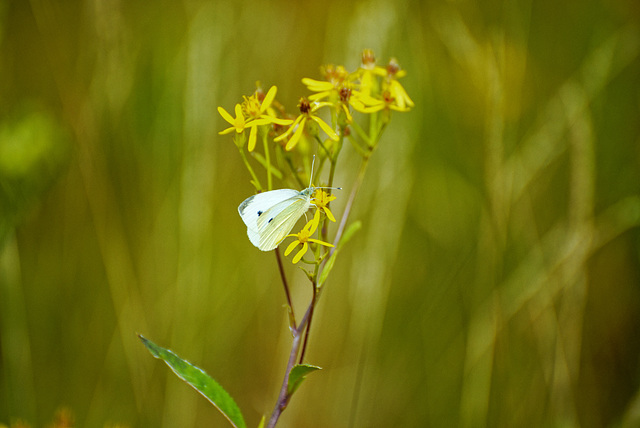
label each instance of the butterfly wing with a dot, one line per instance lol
(254, 236)
(276, 223)
(252, 208)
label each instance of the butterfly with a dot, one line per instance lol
(270, 216)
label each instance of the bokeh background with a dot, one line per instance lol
(496, 280)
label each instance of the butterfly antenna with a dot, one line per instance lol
(311, 175)
(311, 179)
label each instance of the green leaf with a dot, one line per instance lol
(262, 422)
(297, 375)
(200, 381)
(327, 268)
(348, 234)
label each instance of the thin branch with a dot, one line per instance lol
(354, 192)
(267, 157)
(308, 329)
(256, 182)
(283, 397)
(286, 285)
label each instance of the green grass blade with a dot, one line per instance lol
(200, 381)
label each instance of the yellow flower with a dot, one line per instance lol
(251, 114)
(366, 103)
(400, 96)
(394, 87)
(237, 123)
(336, 77)
(321, 200)
(306, 112)
(388, 102)
(258, 106)
(393, 95)
(338, 89)
(304, 237)
(368, 72)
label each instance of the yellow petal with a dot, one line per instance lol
(288, 131)
(317, 241)
(326, 128)
(268, 99)
(317, 85)
(290, 248)
(239, 112)
(226, 116)
(313, 223)
(402, 98)
(319, 95)
(319, 104)
(253, 136)
(227, 131)
(346, 111)
(296, 136)
(277, 120)
(329, 214)
(380, 71)
(258, 122)
(301, 253)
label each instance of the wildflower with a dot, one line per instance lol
(304, 237)
(366, 103)
(394, 96)
(388, 102)
(306, 112)
(238, 123)
(395, 89)
(321, 200)
(336, 78)
(251, 114)
(338, 89)
(367, 73)
(258, 106)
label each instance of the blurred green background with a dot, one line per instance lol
(496, 281)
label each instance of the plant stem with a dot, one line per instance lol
(256, 182)
(285, 284)
(267, 157)
(324, 230)
(354, 192)
(283, 397)
(308, 329)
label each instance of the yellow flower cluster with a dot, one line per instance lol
(329, 115)
(252, 113)
(369, 89)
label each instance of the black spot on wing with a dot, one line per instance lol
(270, 220)
(259, 213)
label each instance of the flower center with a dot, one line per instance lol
(345, 94)
(393, 67)
(303, 235)
(368, 59)
(304, 106)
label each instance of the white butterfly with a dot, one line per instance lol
(270, 216)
